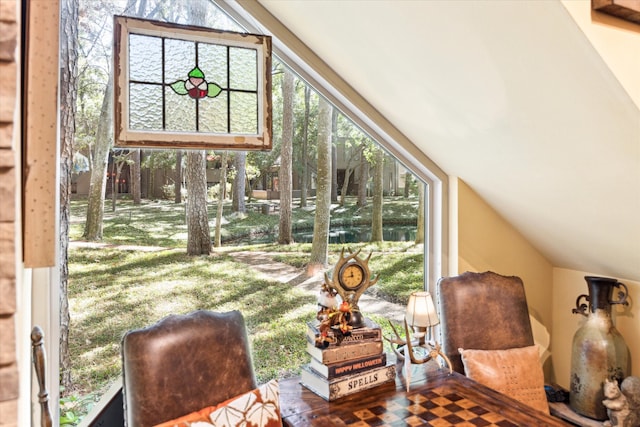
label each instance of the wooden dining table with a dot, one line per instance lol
(435, 398)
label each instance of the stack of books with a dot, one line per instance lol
(349, 364)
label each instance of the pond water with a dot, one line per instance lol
(351, 234)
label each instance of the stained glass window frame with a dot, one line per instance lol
(126, 136)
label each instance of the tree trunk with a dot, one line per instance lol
(320, 245)
(118, 162)
(178, 177)
(376, 209)
(421, 199)
(198, 237)
(334, 157)
(286, 150)
(151, 183)
(221, 197)
(305, 148)
(68, 93)
(252, 186)
(114, 183)
(348, 171)
(136, 192)
(97, 186)
(363, 178)
(345, 186)
(239, 183)
(407, 184)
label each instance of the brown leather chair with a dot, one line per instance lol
(482, 311)
(184, 363)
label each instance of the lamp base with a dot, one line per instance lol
(433, 350)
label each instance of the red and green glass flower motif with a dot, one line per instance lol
(196, 86)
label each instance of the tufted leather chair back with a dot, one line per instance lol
(184, 363)
(482, 311)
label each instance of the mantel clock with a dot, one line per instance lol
(351, 277)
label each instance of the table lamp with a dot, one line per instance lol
(421, 315)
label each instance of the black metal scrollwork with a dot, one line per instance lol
(622, 295)
(581, 308)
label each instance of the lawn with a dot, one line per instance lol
(116, 288)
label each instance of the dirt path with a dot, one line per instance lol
(263, 263)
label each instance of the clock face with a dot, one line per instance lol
(351, 276)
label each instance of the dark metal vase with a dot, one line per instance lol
(599, 351)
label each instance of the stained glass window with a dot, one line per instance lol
(191, 87)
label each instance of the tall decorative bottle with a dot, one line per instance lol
(599, 351)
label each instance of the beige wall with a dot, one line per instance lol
(486, 241)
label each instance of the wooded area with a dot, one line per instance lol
(310, 138)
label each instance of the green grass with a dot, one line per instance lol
(113, 289)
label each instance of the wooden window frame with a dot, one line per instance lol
(126, 137)
(629, 10)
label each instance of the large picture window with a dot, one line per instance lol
(176, 85)
(191, 87)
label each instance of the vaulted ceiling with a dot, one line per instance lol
(511, 97)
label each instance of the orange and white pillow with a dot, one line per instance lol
(259, 407)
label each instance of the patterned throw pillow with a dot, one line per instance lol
(257, 408)
(516, 372)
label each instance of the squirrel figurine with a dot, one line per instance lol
(622, 403)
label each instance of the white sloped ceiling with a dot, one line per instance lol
(511, 97)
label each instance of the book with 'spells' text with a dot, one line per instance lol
(332, 389)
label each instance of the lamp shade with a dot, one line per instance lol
(420, 310)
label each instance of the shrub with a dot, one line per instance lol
(168, 191)
(214, 190)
